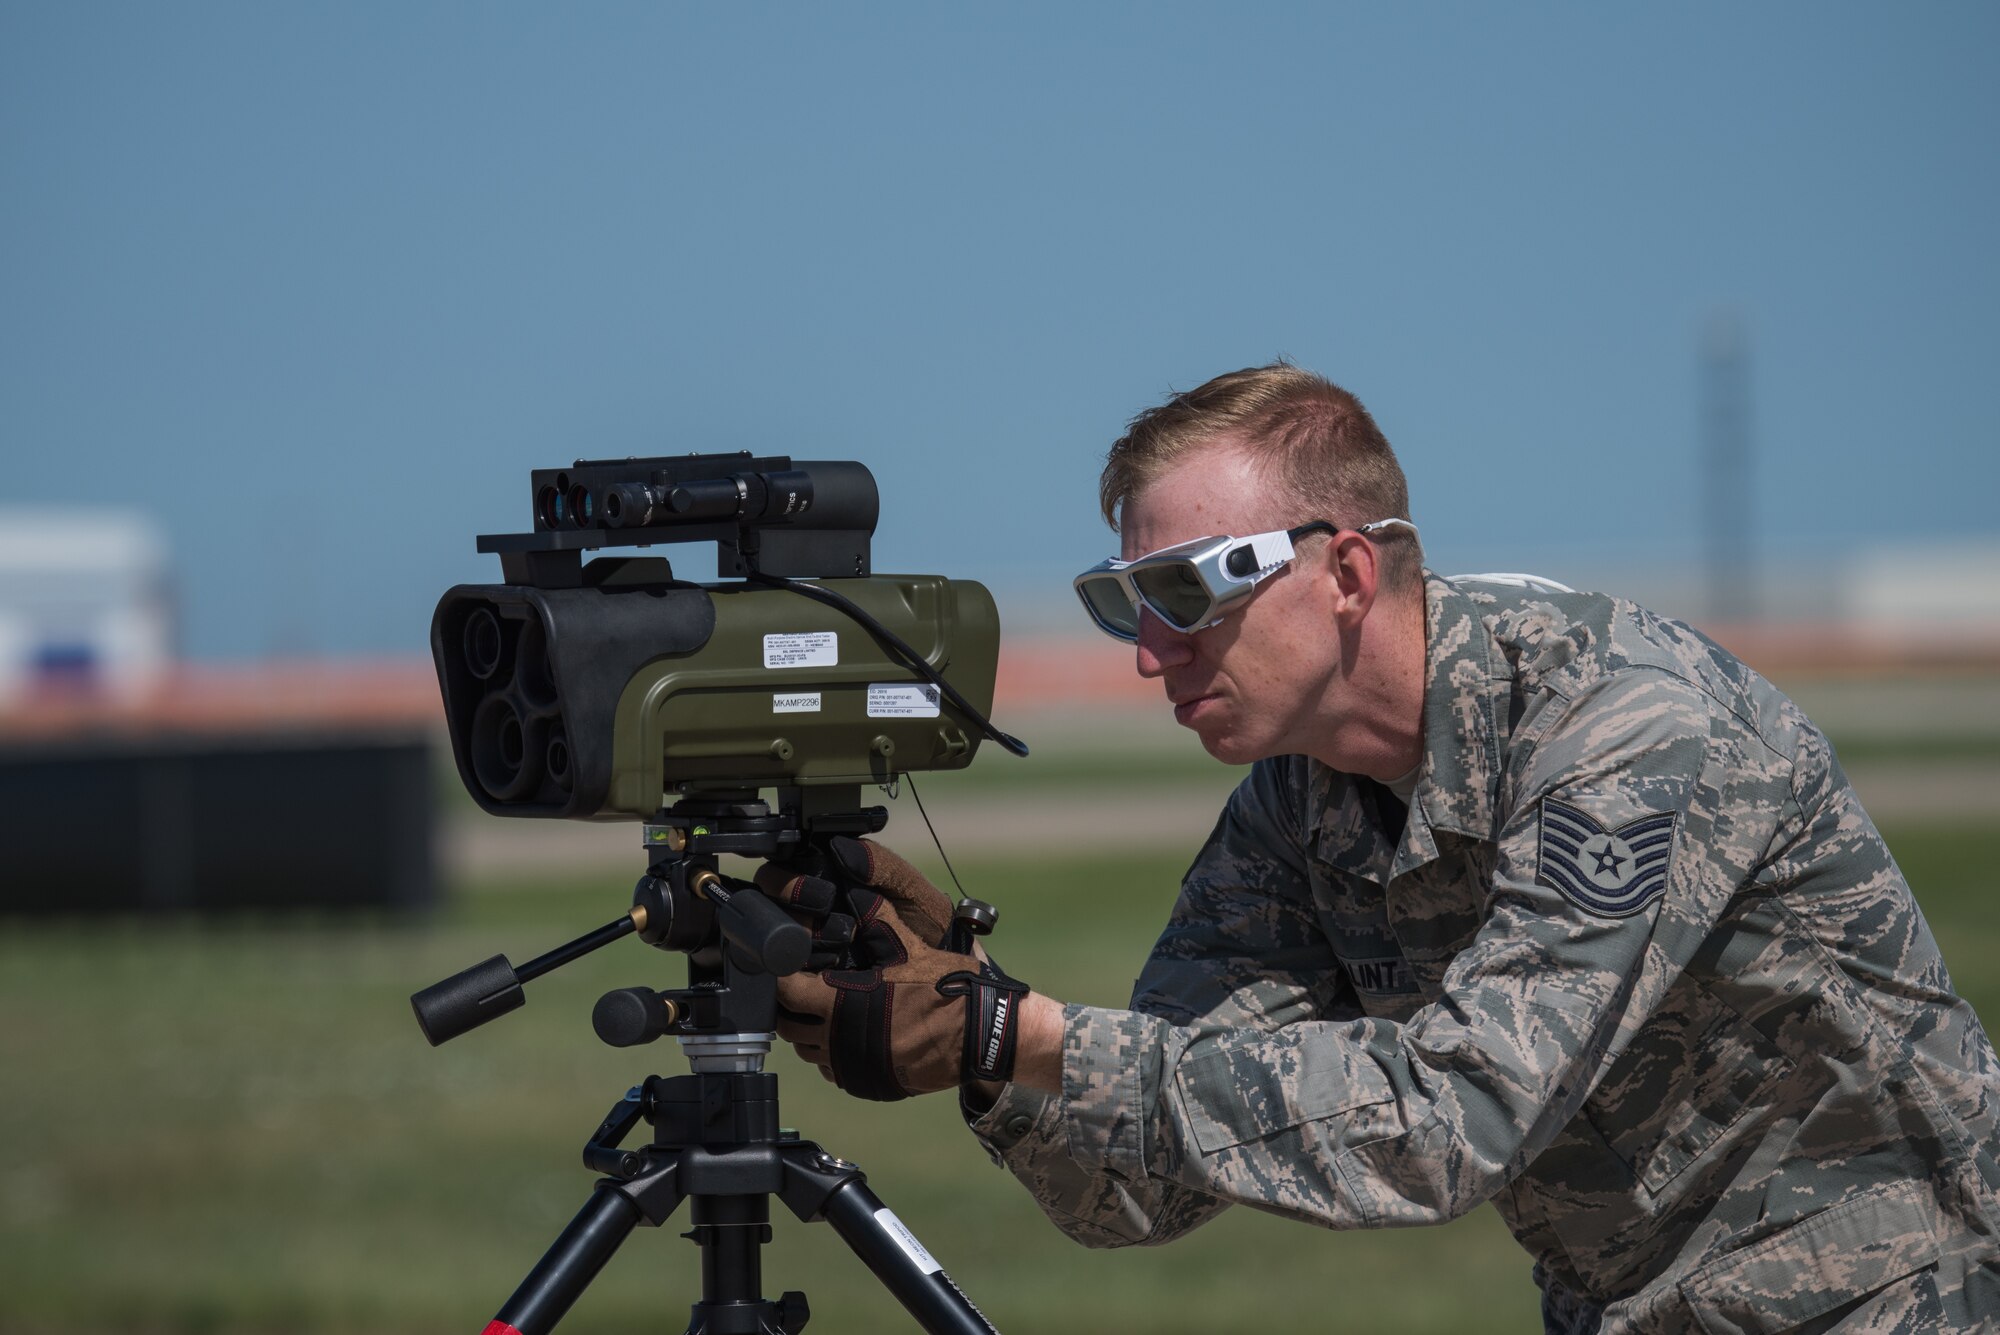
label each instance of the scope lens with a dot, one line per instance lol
(501, 759)
(582, 506)
(551, 507)
(482, 643)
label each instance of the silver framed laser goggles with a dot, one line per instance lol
(1193, 585)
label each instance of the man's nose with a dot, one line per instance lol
(1160, 646)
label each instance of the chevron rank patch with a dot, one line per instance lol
(1611, 873)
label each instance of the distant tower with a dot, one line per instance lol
(1727, 509)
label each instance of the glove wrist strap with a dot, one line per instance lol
(992, 1020)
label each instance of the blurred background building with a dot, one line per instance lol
(132, 781)
(86, 604)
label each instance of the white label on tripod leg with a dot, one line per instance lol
(907, 1241)
(914, 700)
(812, 648)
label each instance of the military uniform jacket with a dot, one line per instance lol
(1636, 967)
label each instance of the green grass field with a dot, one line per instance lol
(237, 1128)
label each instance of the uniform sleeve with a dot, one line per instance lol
(1365, 1122)
(1242, 951)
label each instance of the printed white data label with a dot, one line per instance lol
(903, 700)
(801, 702)
(812, 648)
(907, 1241)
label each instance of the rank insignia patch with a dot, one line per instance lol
(1612, 873)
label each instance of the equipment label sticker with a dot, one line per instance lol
(805, 702)
(817, 648)
(907, 1241)
(904, 700)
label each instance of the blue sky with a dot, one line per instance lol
(318, 285)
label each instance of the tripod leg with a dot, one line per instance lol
(568, 1266)
(889, 1249)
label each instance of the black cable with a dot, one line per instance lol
(951, 870)
(898, 650)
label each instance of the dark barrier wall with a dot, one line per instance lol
(256, 821)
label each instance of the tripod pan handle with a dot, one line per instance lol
(468, 999)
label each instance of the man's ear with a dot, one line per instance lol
(1356, 570)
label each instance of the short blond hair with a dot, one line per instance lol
(1318, 444)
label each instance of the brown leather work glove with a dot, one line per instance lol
(911, 1018)
(869, 871)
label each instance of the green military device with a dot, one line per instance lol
(610, 690)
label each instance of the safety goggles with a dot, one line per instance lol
(1193, 585)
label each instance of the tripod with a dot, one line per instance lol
(716, 1140)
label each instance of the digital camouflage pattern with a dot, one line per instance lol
(1743, 1100)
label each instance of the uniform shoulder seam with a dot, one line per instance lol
(1699, 687)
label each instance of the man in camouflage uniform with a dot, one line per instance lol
(1531, 896)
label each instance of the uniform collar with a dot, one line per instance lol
(1459, 786)
(1459, 779)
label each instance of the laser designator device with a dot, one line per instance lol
(741, 717)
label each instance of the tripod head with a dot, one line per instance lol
(737, 942)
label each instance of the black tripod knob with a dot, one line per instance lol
(793, 1312)
(632, 1015)
(768, 937)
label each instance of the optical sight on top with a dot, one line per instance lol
(808, 519)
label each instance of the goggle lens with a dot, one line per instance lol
(1108, 603)
(1190, 585)
(1175, 591)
